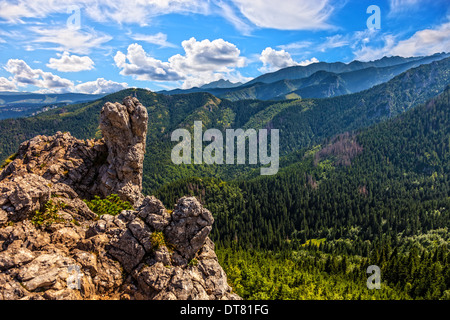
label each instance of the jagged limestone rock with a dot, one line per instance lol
(52, 246)
(124, 128)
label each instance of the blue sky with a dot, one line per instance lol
(103, 46)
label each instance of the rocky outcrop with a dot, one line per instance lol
(112, 165)
(52, 246)
(61, 158)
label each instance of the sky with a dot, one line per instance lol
(89, 46)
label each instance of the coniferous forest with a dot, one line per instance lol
(311, 231)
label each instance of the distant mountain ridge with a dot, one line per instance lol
(221, 84)
(317, 80)
(298, 72)
(23, 104)
(9, 97)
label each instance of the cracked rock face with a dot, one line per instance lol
(144, 253)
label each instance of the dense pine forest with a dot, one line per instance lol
(312, 230)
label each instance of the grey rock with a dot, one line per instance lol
(154, 213)
(62, 294)
(10, 289)
(15, 257)
(88, 261)
(163, 255)
(142, 233)
(189, 227)
(127, 250)
(47, 270)
(109, 277)
(68, 237)
(26, 194)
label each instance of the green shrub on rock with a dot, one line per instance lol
(112, 205)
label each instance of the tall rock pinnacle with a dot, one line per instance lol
(124, 128)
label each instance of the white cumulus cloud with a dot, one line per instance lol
(100, 86)
(141, 66)
(274, 60)
(24, 75)
(7, 85)
(206, 56)
(202, 62)
(70, 63)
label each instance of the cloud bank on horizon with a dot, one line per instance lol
(105, 46)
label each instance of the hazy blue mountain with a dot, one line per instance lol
(317, 80)
(298, 72)
(8, 97)
(325, 84)
(216, 88)
(22, 104)
(221, 84)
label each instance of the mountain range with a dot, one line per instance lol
(22, 104)
(302, 123)
(317, 80)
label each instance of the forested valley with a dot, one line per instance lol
(379, 197)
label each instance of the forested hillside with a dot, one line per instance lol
(323, 221)
(401, 164)
(302, 123)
